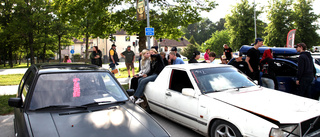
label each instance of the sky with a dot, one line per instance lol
(225, 7)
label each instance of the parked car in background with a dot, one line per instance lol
(219, 101)
(287, 67)
(77, 100)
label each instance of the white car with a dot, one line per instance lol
(219, 101)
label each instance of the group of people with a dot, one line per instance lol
(152, 63)
(253, 65)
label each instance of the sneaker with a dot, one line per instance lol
(132, 98)
(129, 76)
(139, 100)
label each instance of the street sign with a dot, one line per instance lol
(149, 31)
(72, 51)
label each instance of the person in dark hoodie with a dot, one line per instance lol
(306, 71)
(195, 57)
(267, 66)
(156, 66)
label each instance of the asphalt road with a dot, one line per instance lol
(175, 130)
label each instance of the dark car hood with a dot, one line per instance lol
(119, 120)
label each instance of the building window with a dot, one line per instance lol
(127, 38)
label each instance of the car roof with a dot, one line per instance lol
(66, 67)
(276, 50)
(195, 66)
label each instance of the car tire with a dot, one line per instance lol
(225, 129)
(145, 105)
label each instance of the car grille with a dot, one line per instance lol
(311, 127)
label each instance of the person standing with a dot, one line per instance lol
(206, 55)
(175, 59)
(113, 57)
(95, 56)
(239, 63)
(129, 60)
(227, 51)
(166, 51)
(253, 60)
(195, 57)
(67, 59)
(306, 71)
(268, 78)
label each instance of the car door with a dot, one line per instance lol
(21, 120)
(286, 76)
(181, 108)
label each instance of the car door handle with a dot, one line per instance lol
(168, 94)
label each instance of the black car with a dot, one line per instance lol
(286, 60)
(72, 100)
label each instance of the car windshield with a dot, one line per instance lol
(219, 79)
(75, 89)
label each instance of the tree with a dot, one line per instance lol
(279, 15)
(216, 42)
(240, 24)
(188, 51)
(303, 22)
(201, 31)
(165, 21)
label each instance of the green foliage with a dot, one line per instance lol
(4, 107)
(240, 24)
(303, 22)
(189, 50)
(280, 16)
(10, 79)
(201, 31)
(216, 42)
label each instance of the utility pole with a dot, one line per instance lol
(148, 23)
(255, 21)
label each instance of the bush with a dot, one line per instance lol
(189, 50)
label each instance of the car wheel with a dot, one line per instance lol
(145, 105)
(222, 128)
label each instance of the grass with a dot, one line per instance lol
(124, 72)
(22, 65)
(10, 79)
(4, 107)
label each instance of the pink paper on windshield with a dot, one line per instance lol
(76, 87)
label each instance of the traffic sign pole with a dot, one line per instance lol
(148, 23)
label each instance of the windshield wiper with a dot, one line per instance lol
(61, 107)
(102, 102)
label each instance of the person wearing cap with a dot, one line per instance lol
(253, 60)
(306, 71)
(128, 55)
(268, 68)
(175, 50)
(227, 51)
(195, 57)
(113, 57)
(223, 59)
(239, 63)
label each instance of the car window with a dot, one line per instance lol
(26, 86)
(219, 79)
(285, 68)
(179, 80)
(75, 89)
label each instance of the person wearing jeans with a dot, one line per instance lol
(156, 66)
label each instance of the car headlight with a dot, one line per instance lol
(285, 131)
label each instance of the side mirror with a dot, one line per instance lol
(130, 92)
(188, 92)
(15, 102)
